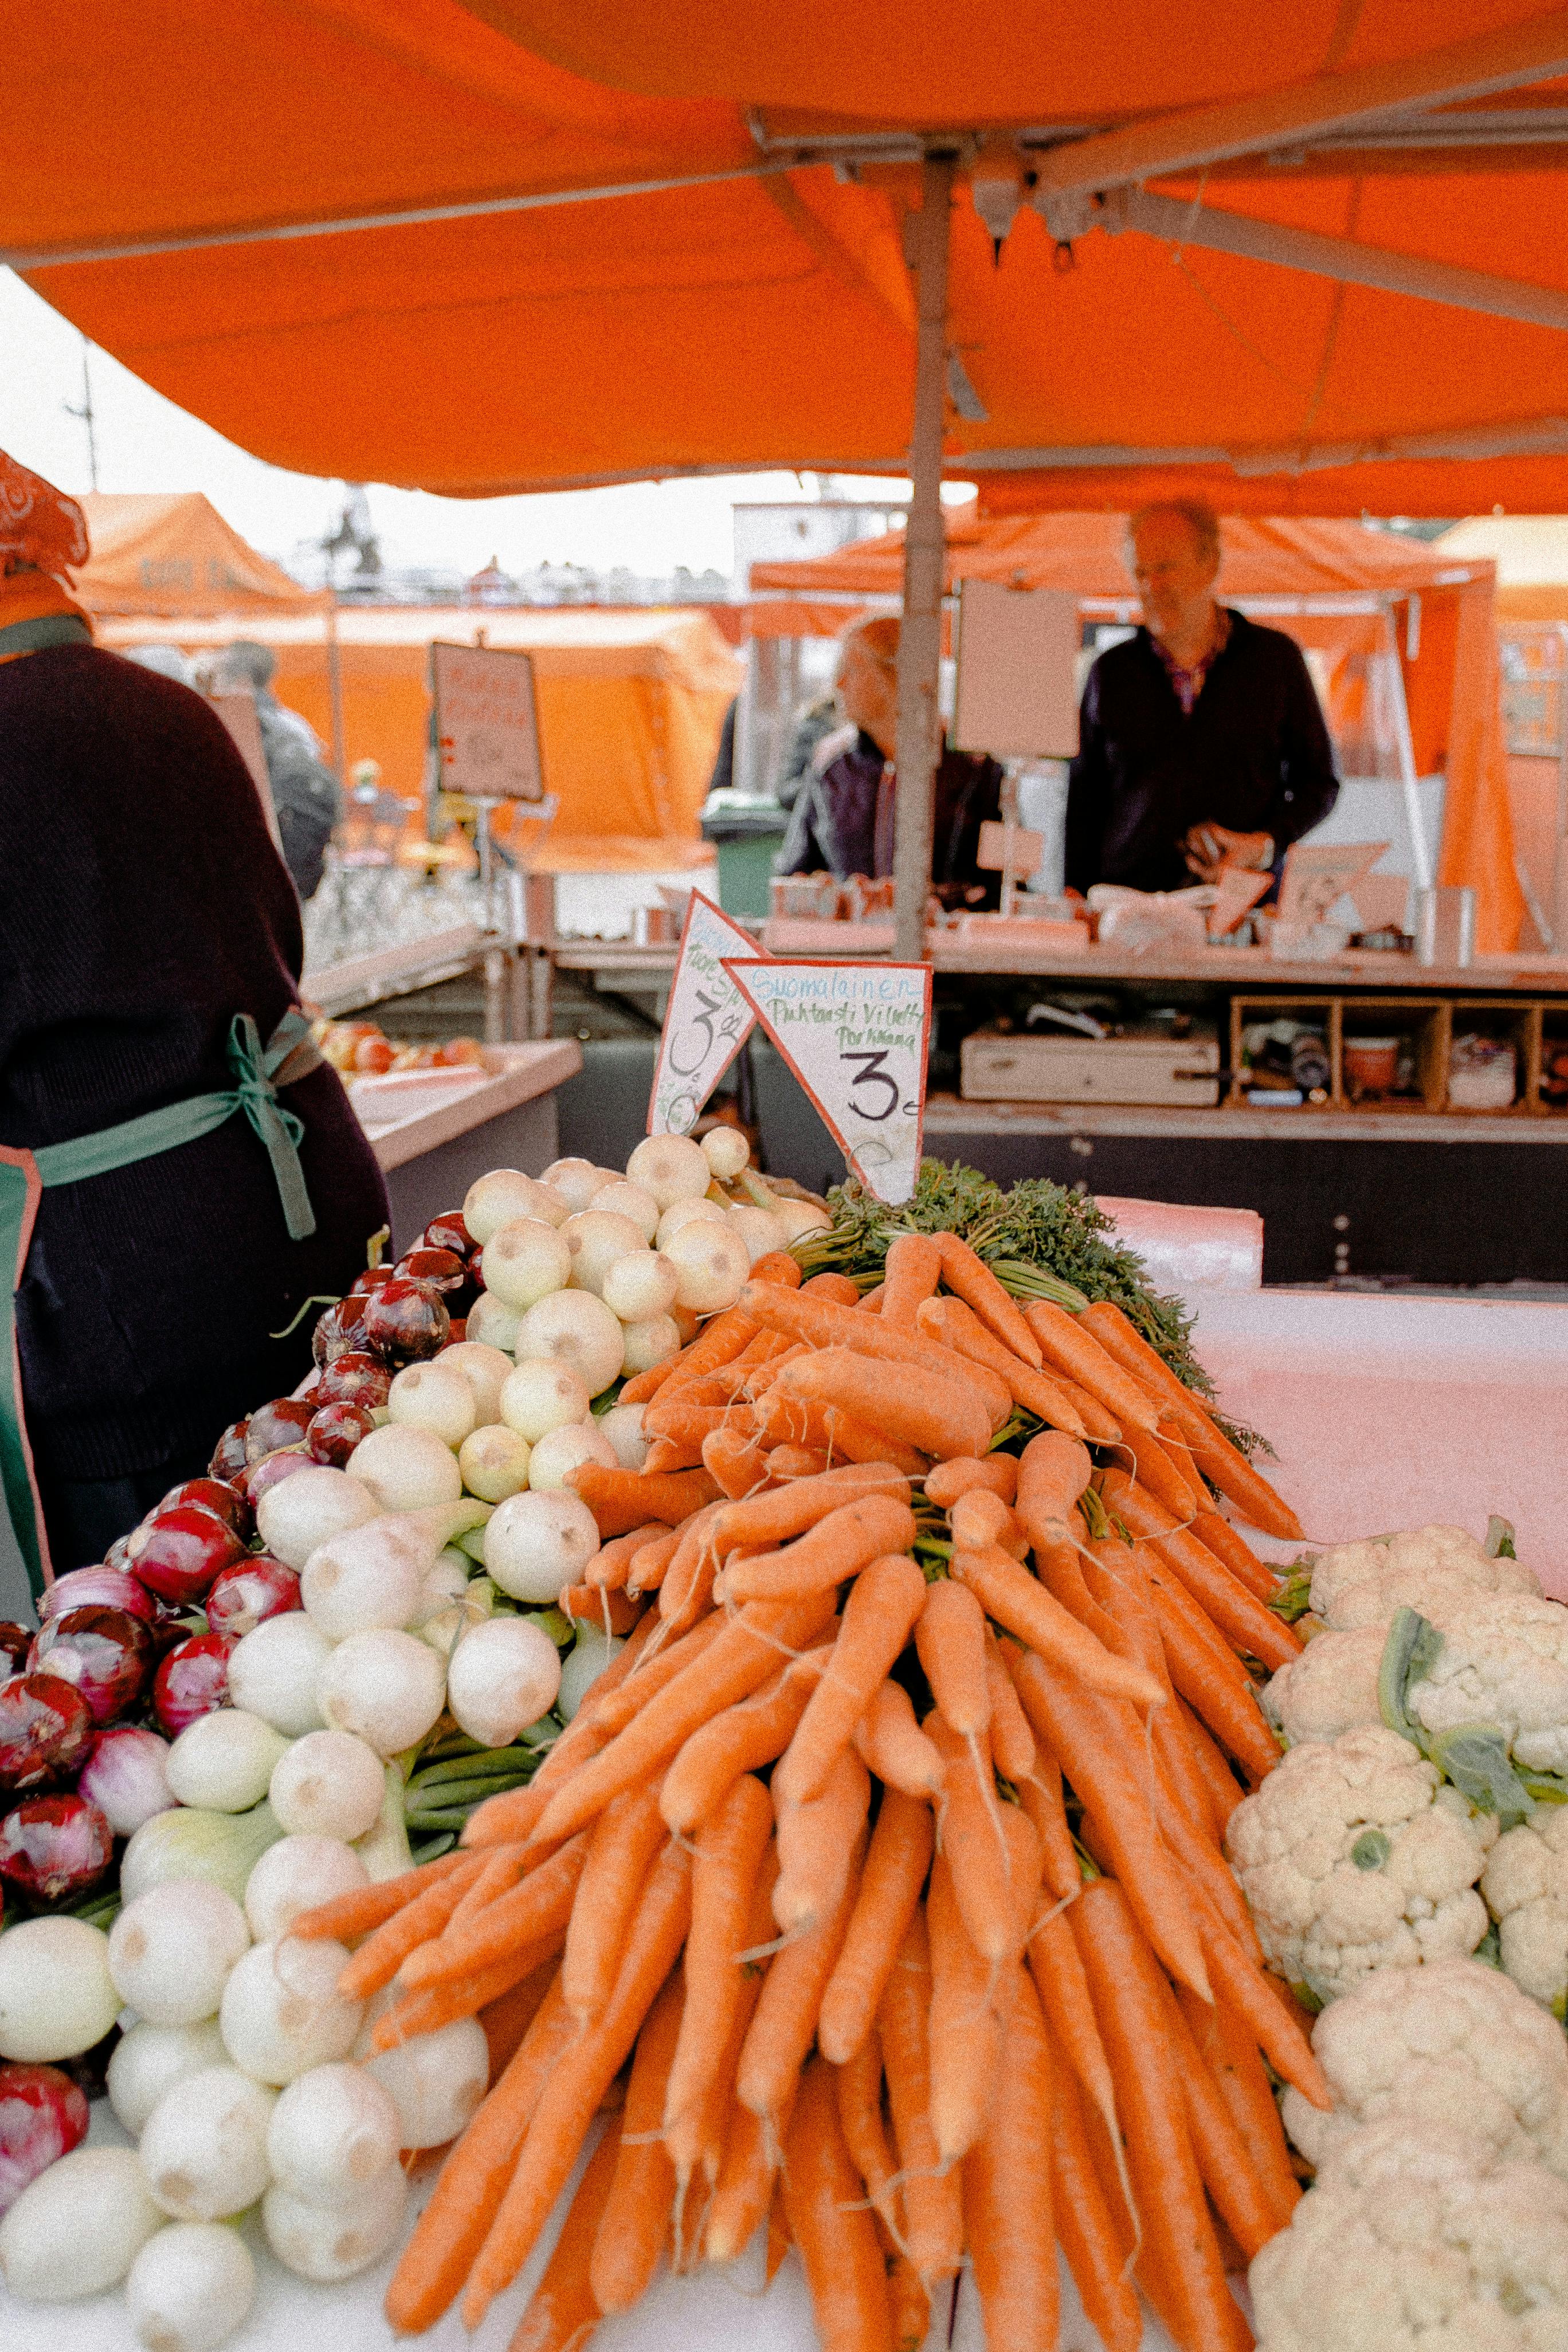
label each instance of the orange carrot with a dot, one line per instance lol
(846, 1540)
(816, 1839)
(932, 2207)
(1041, 1797)
(1240, 1615)
(785, 2020)
(779, 2240)
(778, 1268)
(1158, 1474)
(699, 2149)
(753, 2149)
(754, 1733)
(687, 1591)
(1231, 2055)
(1260, 2005)
(1114, 1575)
(966, 2023)
(733, 1458)
(644, 1385)
(429, 2006)
(1101, 1428)
(614, 1612)
(719, 1342)
(970, 1832)
(1008, 2206)
(884, 1601)
(579, 2080)
(1219, 1537)
(1179, 1614)
(1084, 2219)
(949, 1641)
(937, 1415)
(891, 1743)
(621, 1850)
(913, 1272)
(858, 2085)
(1067, 1345)
(1201, 1861)
(980, 1518)
(540, 1906)
(967, 1274)
(1129, 2000)
(728, 1858)
(835, 2235)
(647, 1567)
(500, 1819)
(365, 1908)
(564, 2309)
(1006, 1592)
(896, 1864)
(1224, 1791)
(1053, 1472)
(794, 1461)
(821, 1325)
(1058, 1970)
(383, 1953)
(959, 1328)
(838, 1287)
(911, 2304)
(815, 1428)
(1224, 2158)
(1011, 1741)
(772, 1519)
(507, 2019)
(622, 1499)
(996, 1473)
(611, 1711)
(630, 2237)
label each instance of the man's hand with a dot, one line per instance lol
(1210, 848)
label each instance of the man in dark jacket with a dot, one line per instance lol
(1201, 743)
(305, 792)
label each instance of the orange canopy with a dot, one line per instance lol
(171, 556)
(355, 239)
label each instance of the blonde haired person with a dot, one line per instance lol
(1201, 740)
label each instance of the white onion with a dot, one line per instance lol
(494, 1462)
(295, 1875)
(598, 1240)
(526, 1260)
(435, 2079)
(577, 1180)
(79, 2227)
(712, 1263)
(374, 1577)
(559, 1451)
(644, 1345)
(387, 1686)
(491, 1324)
(189, 1841)
(57, 1996)
(726, 1151)
(583, 1664)
(758, 1228)
(126, 1776)
(434, 1397)
(149, 2060)
(794, 1218)
(328, 2242)
(172, 1951)
(204, 2147)
(272, 1671)
(405, 1469)
(326, 1504)
(504, 1675)
(506, 1194)
(486, 1369)
(621, 1425)
(333, 2130)
(638, 1287)
(689, 1213)
(581, 1330)
(537, 1544)
(282, 2013)
(670, 1167)
(225, 1760)
(543, 1393)
(190, 2287)
(329, 1784)
(623, 1200)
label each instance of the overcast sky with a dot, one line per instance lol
(145, 443)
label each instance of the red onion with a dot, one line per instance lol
(99, 1588)
(178, 1552)
(51, 1846)
(447, 1232)
(334, 1433)
(339, 1331)
(228, 1454)
(406, 1321)
(107, 1655)
(354, 1379)
(248, 1591)
(43, 2115)
(216, 1495)
(124, 1778)
(283, 1422)
(270, 1468)
(192, 1680)
(46, 1730)
(15, 1643)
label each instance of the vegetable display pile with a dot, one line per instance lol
(777, 1705)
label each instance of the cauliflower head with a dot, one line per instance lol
(1429, 1569)
(1352, 1856)
(1503, 1661)
(1330, 1688)
(1526, 1886)
(1418, 2241)
(1454, 2043)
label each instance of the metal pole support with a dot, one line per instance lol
(919, 643)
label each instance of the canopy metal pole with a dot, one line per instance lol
(920, 642)
(335, 685)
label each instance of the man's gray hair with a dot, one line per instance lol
(246, 663)
(1200, 520)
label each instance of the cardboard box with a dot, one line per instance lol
(1147, 1066)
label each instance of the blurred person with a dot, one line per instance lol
(818, 718)
(843, 820)
(180, 1174)
(305, 792)
(1201, 744)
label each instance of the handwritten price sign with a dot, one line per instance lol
(486, 722)
(706, 1021)
(857, 1035)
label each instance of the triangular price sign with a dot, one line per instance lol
(857, 1036)
(706, 1021)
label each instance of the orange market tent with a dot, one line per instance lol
(630, 706)
(174, 555)
(1357, 596)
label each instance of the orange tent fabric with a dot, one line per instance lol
(763, 317)
(1451, 679)
(630, 706)
(171, 556)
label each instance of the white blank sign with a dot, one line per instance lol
(1017, 651)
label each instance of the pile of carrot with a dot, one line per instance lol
(875, 1895)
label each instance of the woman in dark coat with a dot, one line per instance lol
(142, 909)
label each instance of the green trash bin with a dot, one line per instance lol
(748, 834)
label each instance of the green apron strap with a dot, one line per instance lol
(20, 1191)
(37, 637)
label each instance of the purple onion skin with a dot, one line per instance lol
(253, 1588)
(228, 1454)
(99, 1588)
(15, 1643)
(335, 1432)
(51, 1847)
(339, 1331)
(353, 1378)
(124, 1776)
(178, 1552)
(448, 1233)
(215, 1495)
(107, 1655)
(192, 1680)
(45, 1731)
(283, 1422)
(43, 2115)
(406, 1322)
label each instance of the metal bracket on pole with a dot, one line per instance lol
(918, 735)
